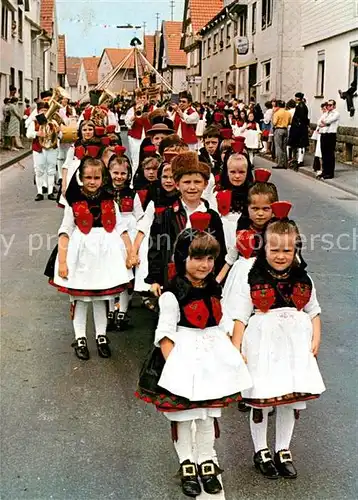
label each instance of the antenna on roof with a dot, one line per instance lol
(172, 5)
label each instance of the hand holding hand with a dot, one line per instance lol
(156, 289)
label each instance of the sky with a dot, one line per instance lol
(82, 21)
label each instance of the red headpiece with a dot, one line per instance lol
(262, 175)
(200, 221)
(221, 105)
(226, 133)
(110, 129)
(245, 242)
(99, 131)
(120, 150)
(238, 145)
(150, 150)
(93, 151)
(218, 117)
(281, 209)
(106, 141)
(80, 152)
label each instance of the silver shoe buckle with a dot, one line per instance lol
(188, 470)
(285, 456)
(266, 456)
(208, 470)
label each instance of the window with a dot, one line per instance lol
(21, 85)
(216, 40)
(320, 73)
(204, 49)
(4, 21)
(20, 22)
(12, 77)
(209, 47)
(13, 24)
(208, 88)
(38, 86)
(243, 22)
(236, 25)
(222, 37)
(253, 19)
(227, 81)
(228, 33)
(188, 60)
(266, 82)
(215, 86)
(267, 8)
(85, 88)
(196, 57)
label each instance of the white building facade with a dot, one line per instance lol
(330, 41)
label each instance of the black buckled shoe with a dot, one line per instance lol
(264, 463)
(81, 349)
(52, 197)
(189, 479)
(39, 197)
(121, 321)
(110, 321)
(208, 473)
(284, 465)
(103, 347)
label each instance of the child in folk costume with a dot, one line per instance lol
(131, 211)
(250, 227)
(146, 176)
(231, 197)
(155, 136)
(210, 152)
(191, 178)
(44, 135)
(93, 254)
(278, 330)
(201, 371)
(162, 198)
(252, 133)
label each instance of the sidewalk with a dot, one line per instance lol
(8, 158)
(346, 176)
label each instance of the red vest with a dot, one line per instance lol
(188, 132)
(36, 146)
(139, 124)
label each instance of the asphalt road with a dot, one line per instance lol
(73, 430)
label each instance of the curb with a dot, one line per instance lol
(310, 173)
(332, 182)
(15, 160)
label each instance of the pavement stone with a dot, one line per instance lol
(8, 158)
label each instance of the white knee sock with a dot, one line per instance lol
(124, 301)
(100, 317)
(205, 439)
(39, 178)
(285, 422)
(184, 445)
(50, 183)
(259, 431)
(301, 154)
(80, 319)
(111, 305)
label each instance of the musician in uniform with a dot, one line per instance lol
(44, 132)
(68, 114)
(186, 119)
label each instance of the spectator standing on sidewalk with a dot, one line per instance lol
(5, 119)
(298, 137)
(267, 128)
(281, 121)
(328, 124)
(14, 124)
(316, 136)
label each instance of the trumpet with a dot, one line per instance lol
(106, 95)
(58, 94)
(52, 126)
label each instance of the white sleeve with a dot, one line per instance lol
(333, 118)
(68, 222)
(69, 157)
(128, 118)
(31, 132)
(209, 195)
(191, 119)
(236, 302)
(31, 118)
(137, 208)
(312, 308)
(231, 256)
(62, 113)
(169, 316)
(145, 223)
(121, 222)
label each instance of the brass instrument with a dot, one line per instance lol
(106, 95)
(52, 127)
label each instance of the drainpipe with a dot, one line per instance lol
(280, 52)
(46, 67)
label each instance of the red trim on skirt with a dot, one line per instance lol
(295, 397)
(89, 293)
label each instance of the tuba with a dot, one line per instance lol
(106, 97)
(52, 127)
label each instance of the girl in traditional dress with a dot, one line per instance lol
(202, 371)
(146, 176)
(93, 261)
(131, 211)
(278, 330)
(252, 134)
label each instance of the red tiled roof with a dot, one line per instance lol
(61, 55)
(172, 37)
(116, 56)
(149, 45)
(91, 67)
(47, 16)
(202, 11)
(73, 65)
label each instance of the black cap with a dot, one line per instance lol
(299, 95)
(46, 93)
